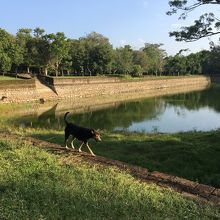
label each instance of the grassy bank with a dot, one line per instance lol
(191, 155)
(35, 184)
(8, 78)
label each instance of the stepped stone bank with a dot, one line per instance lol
(45, 88)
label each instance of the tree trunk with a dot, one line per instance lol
(45, 71)
(57, 67)
(90, 73)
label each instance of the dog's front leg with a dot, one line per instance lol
(66, 145)
(90, 149)
(81, 147)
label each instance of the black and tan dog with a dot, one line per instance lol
(80, 133)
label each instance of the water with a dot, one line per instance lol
(182, 112)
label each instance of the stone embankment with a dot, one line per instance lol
(44, 88)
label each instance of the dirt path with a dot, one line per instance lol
(185, 187)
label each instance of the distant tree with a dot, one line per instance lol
(24, 40)
(194, 63)
(77, 54)
(10, 52)
(123, 60)
(155, 56)
(137, 70)
(175, 65)
(140, 58)
(207, 24)
(39, 50)
(212, 63)
(58, 48)
(97, 53)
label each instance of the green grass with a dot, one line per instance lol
(8, 78)
(35, 184)
(191, 155)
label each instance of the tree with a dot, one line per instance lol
(97, 52)
(137, 70)
(24, 40)
(207, 24)
(140, 58)
(10, 52)
(155, 56)
(123, 60)
(212, 63)
(194, 63)
(58, 48)
(77, 53)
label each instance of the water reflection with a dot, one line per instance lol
(182, 112)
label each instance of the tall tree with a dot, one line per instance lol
(58, 47)
(24, 40)
(212, 63)
(207, 24)
(155, 56)
(140, 58)
(10, 52)
(98, 53)
(123, 60)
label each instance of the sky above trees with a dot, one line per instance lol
(132, 22)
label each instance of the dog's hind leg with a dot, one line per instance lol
(66, 138)
(72, 143)
(90, 149)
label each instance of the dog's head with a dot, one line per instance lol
(96, 135)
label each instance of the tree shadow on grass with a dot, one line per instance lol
(193, 155)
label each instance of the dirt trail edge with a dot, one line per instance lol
(186, 187)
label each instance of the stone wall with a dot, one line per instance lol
(97, 87)
(18, 91)
(54, 89)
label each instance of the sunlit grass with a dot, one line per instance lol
(191, 155)
(8, 78)
(35, 184)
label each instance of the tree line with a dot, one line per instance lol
(34, 51)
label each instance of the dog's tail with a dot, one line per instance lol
(65, 118)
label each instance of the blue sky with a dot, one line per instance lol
(131, 22)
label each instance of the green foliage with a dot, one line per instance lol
(9, 52)
(207, 24)
(55, 54)
(193, 64)
(96, 52)
(38, 185)
(137, 70)
(123, 57)
(58, 48)
(155, 56)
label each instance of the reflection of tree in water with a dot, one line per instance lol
(195, 100)
(121, 115)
